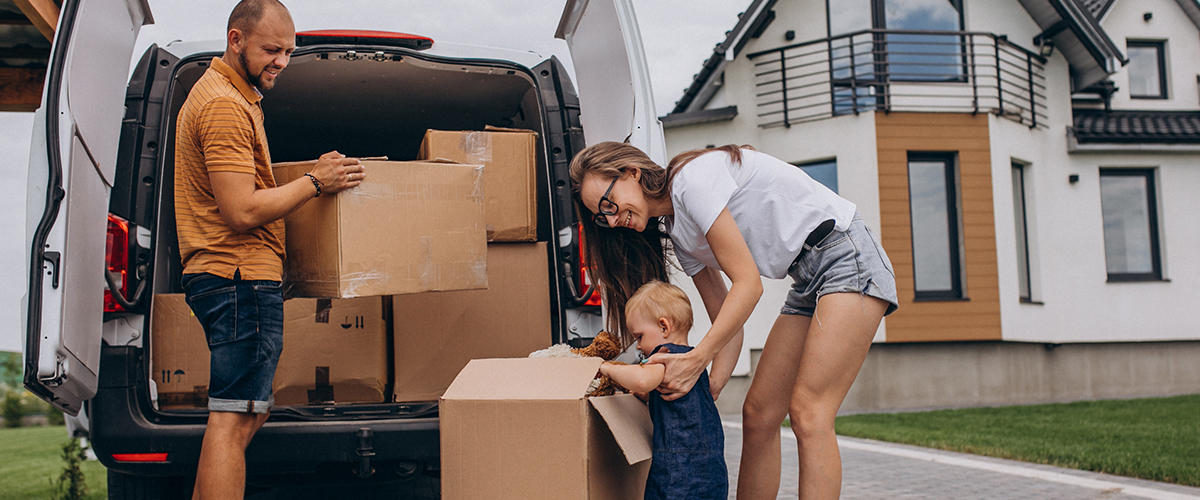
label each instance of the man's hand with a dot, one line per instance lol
(683, 370)
(338, 173)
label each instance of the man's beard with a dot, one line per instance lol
(254, 79)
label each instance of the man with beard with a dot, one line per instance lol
(228, 215)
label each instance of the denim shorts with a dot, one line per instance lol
(852, 261)
(243, 323)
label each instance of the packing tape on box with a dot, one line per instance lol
(477, 146)
(355, 282)
(382, 191)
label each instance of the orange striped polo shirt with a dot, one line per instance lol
(220, 129)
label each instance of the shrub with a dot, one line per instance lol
(54, 416)
(71, 483)
(14, 408)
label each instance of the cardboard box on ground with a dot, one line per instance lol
(334, 351)
(436, 334)
(409, 227)
(509, 159)
(521, 429)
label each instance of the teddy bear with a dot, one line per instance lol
(605, 346)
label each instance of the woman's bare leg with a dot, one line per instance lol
(766, 405)
(836, 344)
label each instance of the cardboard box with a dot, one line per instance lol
(340, 343)
(509, 159)
(409, 227)
(334, 352)
(436, 334)
(521, 429)
(179, 358)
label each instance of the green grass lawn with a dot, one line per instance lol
(1156, 439)
(31, 461)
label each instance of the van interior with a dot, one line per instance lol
(362, 105)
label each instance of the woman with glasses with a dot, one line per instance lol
(735, 210)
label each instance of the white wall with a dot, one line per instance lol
(1170, 24)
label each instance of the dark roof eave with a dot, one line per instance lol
(1192, 9)
(1105, 58)
(686, 118)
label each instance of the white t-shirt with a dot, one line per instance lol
(775, 204)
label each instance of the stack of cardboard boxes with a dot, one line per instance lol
(396, 284)
(439, 260)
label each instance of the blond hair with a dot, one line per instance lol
(657, 299)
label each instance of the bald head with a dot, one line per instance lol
(247, 14)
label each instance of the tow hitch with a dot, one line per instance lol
(365, 452)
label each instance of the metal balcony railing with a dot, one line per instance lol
(899, 70)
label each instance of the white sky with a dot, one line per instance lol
(678, 36)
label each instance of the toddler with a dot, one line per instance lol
(689, 444)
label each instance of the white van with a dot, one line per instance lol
(101, 227)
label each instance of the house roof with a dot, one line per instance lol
(1072, 25)
(704, 84)
(1136, 127)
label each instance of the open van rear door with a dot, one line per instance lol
(616, 103)
(71, 170)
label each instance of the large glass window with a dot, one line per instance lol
(933, 206)
(1019, 216)
(924, 57)
(1147, 70)
(1128, 205)
(861, 63)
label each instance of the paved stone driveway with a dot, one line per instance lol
(876, 470)
(871, 470)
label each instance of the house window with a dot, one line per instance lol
(933, 206)
(1147, 70)
(1020, 219)
(824, 171)
(1129, 209)
(860, 64)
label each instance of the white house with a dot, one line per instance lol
(1031, 166)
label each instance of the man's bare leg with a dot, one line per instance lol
(222, 471)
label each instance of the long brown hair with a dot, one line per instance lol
(620, 260)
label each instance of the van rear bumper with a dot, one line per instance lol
(123, 421)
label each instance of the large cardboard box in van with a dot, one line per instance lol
(436, 334)
(521, 429)
(334, 352)
(409, 227)
(179, 359)
(509, 159)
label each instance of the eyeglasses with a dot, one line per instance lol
(606, 206)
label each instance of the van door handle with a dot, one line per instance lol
(53, 258)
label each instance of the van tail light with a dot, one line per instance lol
(116, 260)
(585, 282)
(140, 457)
(363, 37)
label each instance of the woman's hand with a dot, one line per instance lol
(683, 370)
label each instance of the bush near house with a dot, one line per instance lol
(1152, 439)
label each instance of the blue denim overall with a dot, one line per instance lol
(689, 444)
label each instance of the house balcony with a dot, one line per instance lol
(899, 70)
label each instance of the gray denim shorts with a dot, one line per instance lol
(852, 261)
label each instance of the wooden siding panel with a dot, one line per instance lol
(977, 317)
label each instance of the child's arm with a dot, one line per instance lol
(636, 378)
